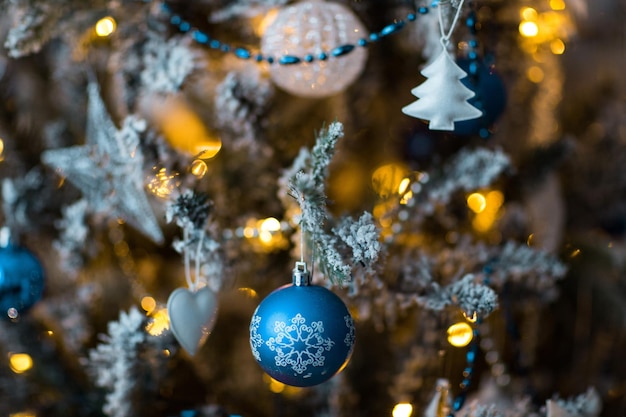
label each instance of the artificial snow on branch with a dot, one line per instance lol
(125, 359)
(306, 181)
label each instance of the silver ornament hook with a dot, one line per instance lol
(301, 277)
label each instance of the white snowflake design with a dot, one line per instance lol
(255, 338)
(349, 340)
(299, 345)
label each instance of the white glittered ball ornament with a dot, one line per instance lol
(315, 48)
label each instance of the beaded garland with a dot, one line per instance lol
(203, 38)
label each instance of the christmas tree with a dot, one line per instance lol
(166, 166)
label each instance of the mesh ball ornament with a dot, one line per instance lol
(313, 28)
(302, 334)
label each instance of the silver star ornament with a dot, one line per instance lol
(108, 168)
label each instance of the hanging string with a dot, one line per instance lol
(445, 37)
(197, 260)
(190, 283)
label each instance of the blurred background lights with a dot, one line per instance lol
(23, 414)
(528, 13)
(460, 334)
(528, 29)
(476, 202)
(105, 26)
(20, 362)
(402, 410)
(159, 322)
(148, 304)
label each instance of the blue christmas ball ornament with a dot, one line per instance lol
(302, 334)
(21, 280)
(490, 97)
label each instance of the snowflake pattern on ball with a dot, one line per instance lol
(299, 345)
(255, 338)
(349, 340)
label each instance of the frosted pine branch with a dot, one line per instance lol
(122, 361)
(362, 236)
(471, 297)
(469, 170)
(534, 269)
(167, 63)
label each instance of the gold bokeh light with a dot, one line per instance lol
(460, 334)
(105, 26)
(20, 362)
(402, 410)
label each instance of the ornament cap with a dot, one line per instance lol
(301, 276)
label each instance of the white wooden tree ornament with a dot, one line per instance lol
(443, 97)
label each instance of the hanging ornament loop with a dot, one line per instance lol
(445, 37)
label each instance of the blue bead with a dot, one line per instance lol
(288, 60)
(411, 17)
(422, 10)
(471, 21)
(392, 28)
(470, 356)
(258, 57)
(175, 20)
(215, 44)
(323, 56)
(184, 26)
(225, 47)
(362, 42)
(458, 402)
(484, 133)
(373, 37)
(473, 43)
(295, 323)
(308, 58)
(242, 53)
(188, 413)
(165, 8)
(21, 279)
(270, 60)
(342, 50)
(200, 37)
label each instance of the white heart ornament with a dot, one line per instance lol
(192, 316)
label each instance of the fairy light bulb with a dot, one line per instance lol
(402, 410)
(199, 168)
(105, 26)
(528, 29)
(460, 334)
(476, 202)
(20, 362)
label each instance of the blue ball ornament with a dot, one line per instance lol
(490, 97)
(21, 280)
(302, 334)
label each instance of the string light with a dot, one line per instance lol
(460, 334)
(105, 26)
(199, 168)
(476, 202)
(20, 362)
(402, 410)
(528, 29)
